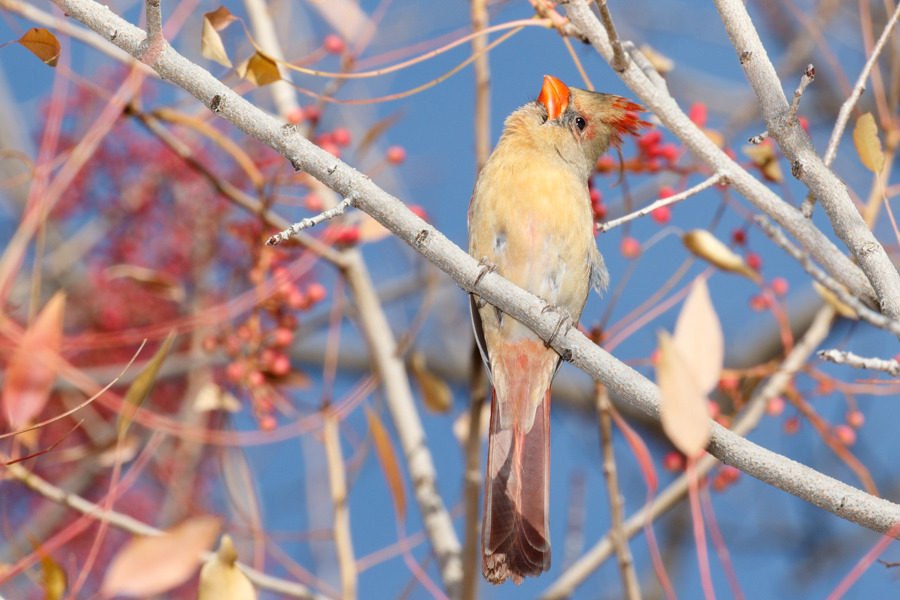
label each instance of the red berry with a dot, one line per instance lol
(267, 422)
(295, 116)
(606, 163)
(341, 136)
(210, 343)
(418, 211)
(791, 425)
(396, 155)
(312, 113)
(804, 123)
(738, 236)
(333, 43)
(313, 202)
(753, 261)
(630, 247)
(855, 419)
(698, 114)
(730, 474)
(596, 196)
(650, 140)
(759, 302)
(729, 383)
(662, 215)
(346, 236)
(244, 332)
(775, 406)
(256, 379)
(282, 337)
(780, 286)
(668, 152)
(280, 365)
(665, 192)
(845, 434)
(235, 371)
(331, 148)
(654, 356)
(316, 292)
(295, 298)
(599, 211)
(673, 461)
(714, 409)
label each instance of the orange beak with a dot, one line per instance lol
(554, 95)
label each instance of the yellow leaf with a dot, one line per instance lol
(259, 69)
(222, 579)
(371, 230)
(30, 373)
(151, 565)
(42, 44)
(698, 337)
(384, 449)
(435, 392)
(715, 137)
(54, 579)
(832, 300)
(142, 386)
(662, 64)
(684, 409)
(868, 146)
(765, 157)
(210, 41)
(710, 248)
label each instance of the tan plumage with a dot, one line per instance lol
(531, 216)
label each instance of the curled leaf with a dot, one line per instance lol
(222, 579)
(765, 157)
(384, 449)
(698, 337)
(832, 300)
(157, 282)
(151, 565)
(710, 248)
(42, 44)
(210, 41)
(259, 70)
(31, 374)
(868, 145)
(435, 392)
(684, 410)
(142, 386)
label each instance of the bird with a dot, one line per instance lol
(530, 220)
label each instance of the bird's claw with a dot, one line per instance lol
(564, 319)
(486, 267)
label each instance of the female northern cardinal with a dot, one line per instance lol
(530, 216)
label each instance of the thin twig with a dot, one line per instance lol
(473, 477)
(891, 366)
(809, 75)
(865, 313)
(618, 61)
(617, 534)
(308, 222)
(716, 179)
(482, 67)
(343, 541)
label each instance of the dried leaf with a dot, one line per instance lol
(684, 410)
(55, 581)
(30, 374)
(710, 248)
(461, 425)
(259, 70)
(376, 131)
(212, 397)
(715, 137)
(142, 386)
(371, 230)
(384, 449)
(868, 146)
(222, 579)
(435, 392)
(157, 282)
(698, 337)
(42, 44)
(211, 45)
(765, 157)
(154, 564)
(832, 300)
(662, 64)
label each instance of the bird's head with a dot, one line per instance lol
(582, 125)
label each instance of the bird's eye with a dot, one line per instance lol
(580, 123)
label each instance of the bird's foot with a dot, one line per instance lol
(486, 267)
(564, 319)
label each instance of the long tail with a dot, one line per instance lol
(515, 534)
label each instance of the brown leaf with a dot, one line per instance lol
(31, 374)
(435, 392)
(684, 409)
(222, 579)
(710, 248)
(662, 64)
(211, 45)
(765, 157)
(371, 230)
(154, 564)
(384, 449)
(42, 44)
(55, 581)
(698, 337)
(376, 131)
(259, 69)
(142, 386)
(868, 146)
(832, 300)
(461, 425)
(157, 282)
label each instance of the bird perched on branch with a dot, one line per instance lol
(530, 217)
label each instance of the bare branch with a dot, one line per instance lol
(708, 183)
(618, 59)
(891, 366)
(310, 222)
(809, 75)
(806, 165)
(875, 318)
